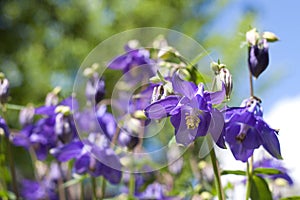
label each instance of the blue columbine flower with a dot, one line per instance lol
(246, 130)
(191, 111)
(95, 88)
(108, 164)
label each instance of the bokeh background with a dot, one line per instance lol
(43, 44)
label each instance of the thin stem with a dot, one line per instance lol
(12, 168)
(14, 107)
(131, 186)
(249, 177)
(217, 174)
(81, 190)
(103, 187)
(94, 188)
(251, 84)
(34, 162)
(216, 170)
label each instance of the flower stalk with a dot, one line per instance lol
(216, 170)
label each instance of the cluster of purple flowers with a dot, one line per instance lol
(50, 130)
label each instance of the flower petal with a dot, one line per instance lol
(161, 108)
(218, 96)
(67, 152)
(269, 139)
(216, 128)
(183, 87)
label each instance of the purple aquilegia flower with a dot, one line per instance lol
(246, 130)
(274, 164)
(55, 127)
(258, 57)
(191, 111)
(86, 159)
(34, 190)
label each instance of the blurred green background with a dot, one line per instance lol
(44, 42)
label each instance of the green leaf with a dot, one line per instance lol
(267, 171)
(260, 189)
(291, 198)
(234, 172)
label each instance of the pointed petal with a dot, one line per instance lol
(216, 128)
(183, 87)
(161, 108)
(269, 139)
(67, 152)
(218, 96)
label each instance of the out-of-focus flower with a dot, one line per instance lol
(85, 162)
(131, 58)
(226, 78)
(274, 164)
(56, 126)
(34, 190)
(154, 191)
(95, 88)
(26, 116)
(191, 111)
(4, 88)
(246, 130)
(4, 130)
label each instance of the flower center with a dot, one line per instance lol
(243, 132)
(192, 121)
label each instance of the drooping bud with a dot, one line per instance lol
(4, 88)
(95, 88)
(63, 124)
(26, 116)
(258, 58)
(52, 98)
(226, 78)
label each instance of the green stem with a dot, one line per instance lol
(249, 177)
(81, 190)
(34, 163)
(217, 174)
(131, 186)
(14, 107)
(103, 187)
(94, 188)
(12, 168)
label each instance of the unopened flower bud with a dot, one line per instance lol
(258, 58)
(4, 88)
(26, 116)
(226, 78)
(52, 98)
